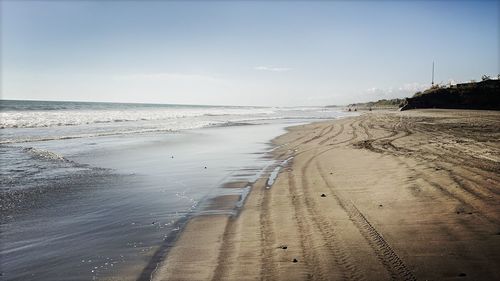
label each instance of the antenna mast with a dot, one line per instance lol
(433, 73)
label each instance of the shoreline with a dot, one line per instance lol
(385, 195)
(161, 179)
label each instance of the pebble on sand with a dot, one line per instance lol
(295, 260)
(323, 195)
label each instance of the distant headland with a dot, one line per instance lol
(484, 95)
(474, 95)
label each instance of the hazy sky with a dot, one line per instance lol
(242, 53)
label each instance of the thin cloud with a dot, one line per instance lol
(168, 77)
(405, 90)
(272, 68)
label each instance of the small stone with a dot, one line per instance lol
(284, 247)
(381, 205)
(462, 274)
(323, 195)
(470, 213)
(331, 173)
(295, 260)
(205, 167)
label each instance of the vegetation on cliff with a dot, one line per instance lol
(380, 104)
(473, 95)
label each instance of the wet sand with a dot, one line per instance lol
(385, 195)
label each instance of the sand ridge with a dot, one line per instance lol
(382, 196)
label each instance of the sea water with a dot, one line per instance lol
(92, 191)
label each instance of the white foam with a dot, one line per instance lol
(44, 154)
(50, 118)
(32, 124)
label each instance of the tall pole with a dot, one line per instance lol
(433, 73)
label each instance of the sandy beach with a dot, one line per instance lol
(249, 140)
(382, 196)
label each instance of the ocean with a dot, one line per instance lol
(99, 191)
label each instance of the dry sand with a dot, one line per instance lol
(407, 195)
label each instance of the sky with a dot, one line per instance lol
(277, 53)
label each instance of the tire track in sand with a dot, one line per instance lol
(390, 260)
(365, 129)
(473, 197)
(267, 237)
(310, 259)
(322, 133)
(345, 263)
(225, 250)
(341, 130)
(354, 134)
